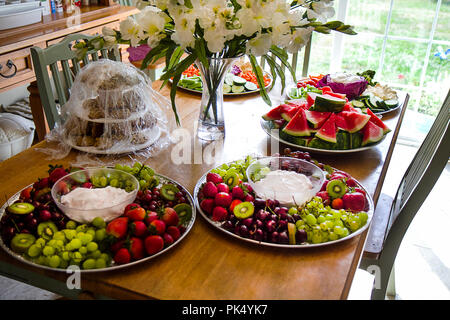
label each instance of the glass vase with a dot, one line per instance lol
(211, 122)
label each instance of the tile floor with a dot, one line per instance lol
(423, 261)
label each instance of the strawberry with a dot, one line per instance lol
(56, 173)
(325, 197)
(234, 204)
(168, 240)
(117, 246)
(219, 214)
(210, 190)
(222, 187)
(249, 198)
(136, 248)
(157, 227)
(87, 185)
(151, 216)
(170, 217)
(153, 244)
(138, 228)
(324, 185)
(337, 204)
(136, 214)
(26, 193)
(207, 205)
(247, 187)
(351, 182)
(238, 193)
(355, 201)
(41, 184)
(174, 232)
(122, 256)
(63, 187)
(360, 191)
(214, 178)
(118, 227)
(131, 206)
(223, 199)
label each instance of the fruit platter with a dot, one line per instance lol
(235, 198)
(240, 80)
(361, 90)
(324, 123)
(97, 219)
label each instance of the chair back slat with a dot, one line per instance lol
(68, 75)
(75, 66)
(94, 56)
(58, 84)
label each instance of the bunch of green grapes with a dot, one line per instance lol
(239, 167)
(118, 180)
(76, 245)
(323, 223)
(144, 174)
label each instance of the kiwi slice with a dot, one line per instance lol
(336, 188)
(244, 210)
(21, 242)
(168, 191)
(231, 179)
(21, 208)
(184, 212)
(46, 230)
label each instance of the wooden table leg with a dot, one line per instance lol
(38, 112)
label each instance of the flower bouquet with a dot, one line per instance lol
(212, 34)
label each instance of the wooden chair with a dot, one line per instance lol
(417, 182)
(60, 58)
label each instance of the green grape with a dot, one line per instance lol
(329, 216)
(65, 255)
(323, 226)
(83, 250)
(81, 228)
(105, 257)
(48, 251)
(71, 224)
(363, 217)
(103, 181)
(333, 236)
(77, 257)
(118, 167)
(114, 183)
(98, 222)
(96, 254)
(353, 225)
(40, 260)
(86, 238)
(100, 263)
(339, 223)
(142, 184)
(339, 230)
(59, 236)
(92, 246)
(329, 224)
(89, 264)
(316, 238)
(95, 181)
(69, 233)
(52, 243)
(299, 223)
(100, 234)
(310, 219)
(324, 236)
(346, 232)
(320, 219)
(91, 231)
(40, 242)
(75, 243)
(54, 261)
(344, 217)
(34, 250)
(69, 247)
(293, 210)
(59, 244)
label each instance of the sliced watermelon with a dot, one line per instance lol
(354, 121)
(274, 114)
(317, 118)
(310, 98)
(298, 103)
(348, 107)
(289, 112)
(327, 103)
(371, 133)
(298, 126)
(328, 130)
(340, 122)
(377, 121)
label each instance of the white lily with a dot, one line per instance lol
(130, 30)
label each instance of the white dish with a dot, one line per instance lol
(21, 18)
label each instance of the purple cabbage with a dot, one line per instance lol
(236, 70)
(351, 90)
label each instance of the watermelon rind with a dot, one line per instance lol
(355, 140)
(317, 118)
(317, 143)
(371, 134)
(326, 103)
(328, 130)
(298, 126)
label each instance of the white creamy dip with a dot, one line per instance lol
(288, 187)
(342, 77)
(86, 204)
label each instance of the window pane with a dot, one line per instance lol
(443, 23)
(438, 71)
(319, 61)
(367, 16)
(403, 62)
(361, 52)
(412, 18)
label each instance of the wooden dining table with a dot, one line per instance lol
(208, 264)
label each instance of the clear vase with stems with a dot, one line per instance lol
(211, 122)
